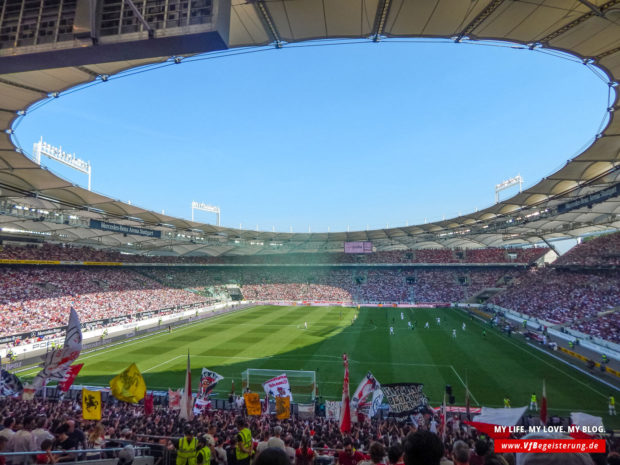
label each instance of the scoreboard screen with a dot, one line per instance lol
(358, 247)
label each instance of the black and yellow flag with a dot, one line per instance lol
(129, 386)
(283, 407)
(91, 405)
(252, 403)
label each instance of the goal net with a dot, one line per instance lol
(303, 383)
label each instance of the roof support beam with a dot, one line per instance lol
(138, 14)
(479, 19)
(600, 11)
(383, 9)
(261, 6)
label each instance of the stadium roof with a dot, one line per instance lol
(582, 197)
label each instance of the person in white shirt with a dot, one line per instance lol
(7, 431)
(21, 441)
(40, 433)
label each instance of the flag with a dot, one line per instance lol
(487, 421)
(283, 408)
(208, 381)
(543, 406)
(148, 404)
(187, 412)
(252, 403)
(278, 386)
(174, 399)
(442, 426)
(582, 420)
(91, 405)
(201, 406)
(129, 386)
(9, 384)
(69, 377)
(404, 398)
(57, 361)
(345, 409)
(375, 404)
(362, 399)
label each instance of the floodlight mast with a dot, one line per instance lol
(507, 184)
(205, 208)
(56, 153)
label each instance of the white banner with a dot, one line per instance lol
(332, 409)
(278, 387)
(201, 406)
(362, 399)
(57, 361)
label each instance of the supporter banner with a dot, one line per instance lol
(9, 384)
(362, 399)
(5, 261)
(69, 377)
(332, 409)
(283, 408)
(278, 387)
(252, 403)
(91, 405)
(208, 381)
(129, 386)
(305, 411)
(404, 398)
(174, 399)
(57, 361)
(121, 228)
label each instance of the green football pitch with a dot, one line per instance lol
(270, 337)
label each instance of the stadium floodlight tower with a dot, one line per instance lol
(56, 153)
(205, 208)
(507, 184)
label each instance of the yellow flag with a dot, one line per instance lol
(129, 386)
(283, 407)
(91, 405)
(252, 403)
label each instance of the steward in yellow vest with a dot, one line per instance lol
(243, 449)
(204, 452)
(187, 448)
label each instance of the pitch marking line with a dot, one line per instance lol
(465, 386)
(501, 336)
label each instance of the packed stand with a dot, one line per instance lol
(76, 254)
(40, 298)
(46, 425)
(362, 285)
(559, 296)
(601, 251)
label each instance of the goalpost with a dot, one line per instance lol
(303, 383)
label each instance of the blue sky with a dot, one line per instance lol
(347, 136)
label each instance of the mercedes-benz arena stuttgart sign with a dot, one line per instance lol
(47, 48)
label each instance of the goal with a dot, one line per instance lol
(303, 383)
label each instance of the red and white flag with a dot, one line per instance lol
(496, 422)
(69, 377)
(345, 409)
(543, 406)
(187, 412)
(57, 361)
